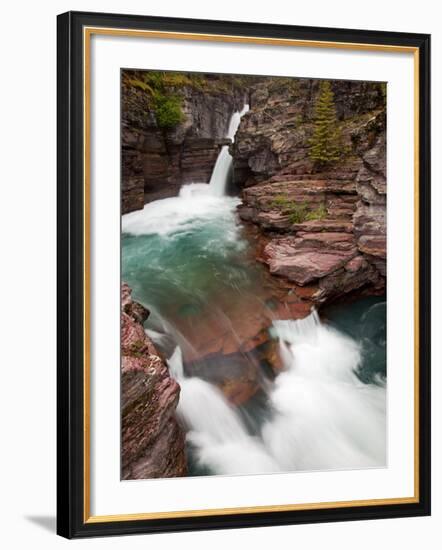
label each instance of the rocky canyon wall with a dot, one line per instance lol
(323, 228)
(152, 439)
(159, 154)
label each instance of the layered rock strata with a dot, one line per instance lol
(157, 160)
(152, 440)
(325, 229)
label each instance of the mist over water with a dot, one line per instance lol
(187, 259)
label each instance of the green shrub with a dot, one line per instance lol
(318, 214)
(154, 79)
(167, 110)
(280, 200)
(165, 104)
(299, 212)
(140, 84)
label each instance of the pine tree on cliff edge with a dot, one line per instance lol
(325, 142)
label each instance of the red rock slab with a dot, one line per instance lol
(295, 309)
(152, 440)
(303, 266)
(219, 333)
(374, 245)
(273, 220)
(310, 185)
(273, 356)
(314, 226)
(355, 264)
(329, 240)
(306, 292)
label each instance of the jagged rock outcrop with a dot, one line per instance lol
(273, 137)
(152, 439)
(325, 227)
(157, 160)
(369, 219)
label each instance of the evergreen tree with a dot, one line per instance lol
(326, 139)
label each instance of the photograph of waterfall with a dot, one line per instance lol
(253, 274)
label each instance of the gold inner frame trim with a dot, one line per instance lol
(87, 34)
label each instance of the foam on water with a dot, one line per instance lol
(194, 206)
(216, 430)
(196, 202)
(322, 416)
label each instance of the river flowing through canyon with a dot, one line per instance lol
(260, 391)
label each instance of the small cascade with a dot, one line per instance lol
(196, 202)
(215, 429)
(223, 165)
(324, 416)
(321, 416)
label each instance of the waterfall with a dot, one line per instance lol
(195, 203)
(322, 416)
(223, 166)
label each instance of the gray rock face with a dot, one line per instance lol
(273, 137)
(157, 161)
(371, 185)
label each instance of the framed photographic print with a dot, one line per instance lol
(243, 274)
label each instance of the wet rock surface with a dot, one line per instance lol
(152, 439)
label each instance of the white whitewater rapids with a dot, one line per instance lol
(216, 430)
(322, 416)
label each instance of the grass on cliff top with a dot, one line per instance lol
(164, 90)
(159, 87)
(299, 212)
(150, 81)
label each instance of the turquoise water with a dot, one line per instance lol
(365, 320)
(179, 273)
(188, 271)
(191, 263)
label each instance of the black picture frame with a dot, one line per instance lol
(71, 519)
